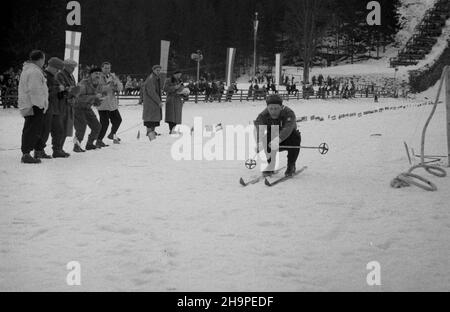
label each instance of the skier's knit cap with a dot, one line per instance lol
(56, 63)
(95, 70)
(274, 99)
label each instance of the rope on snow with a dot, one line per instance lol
(408, 178)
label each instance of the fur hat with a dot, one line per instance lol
(274, 99)
(56, 63)
(70, 63)
(95, 70)
(156, 67)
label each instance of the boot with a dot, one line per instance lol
(151, 135)
(100, 144)
(77, 149)
(290, 169)
(114, 137)
(41, 155)
(90, 146)
(59, 154)
(268, 173)
(28, 159)
(67, 154)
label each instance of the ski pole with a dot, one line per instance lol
(323, 148)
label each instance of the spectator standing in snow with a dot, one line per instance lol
(33, 103)
(53, 122)
(152, 104)
(90, 95)
(109, 108)
(174, 103)
(65, 78)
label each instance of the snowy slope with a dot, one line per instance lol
(137, 220)
(411, 14)
(377, 71)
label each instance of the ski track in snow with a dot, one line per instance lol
(137, 220)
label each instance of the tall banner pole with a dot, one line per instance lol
(447, 101)
(230, 66)
(278, 69)
(73, 38)
(164, 59)
(72, 51)
(255, 26)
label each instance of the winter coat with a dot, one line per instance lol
(286, 121)
(33, 90)
(152, 99)
(67, 100)
(174, 102)
(109, 85)
(54, 94)
(89, 95)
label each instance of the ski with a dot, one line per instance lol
(256, 179)
(282, 179)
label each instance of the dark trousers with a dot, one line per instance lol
(32, 129)
(86, 117)
(171, 125)
(67, 119)
(51, 124)
(294, 141)
(151, 124)
(105, 117)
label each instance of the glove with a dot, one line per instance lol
(96, 101)
(275, 144)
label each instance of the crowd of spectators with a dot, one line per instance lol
(9, 81)
(216, 90)
(212, 90)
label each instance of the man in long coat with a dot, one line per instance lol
(174, 103)
(66, 78)
(152, 104)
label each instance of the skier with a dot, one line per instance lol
(288, 136)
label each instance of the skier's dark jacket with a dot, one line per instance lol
(286, 121)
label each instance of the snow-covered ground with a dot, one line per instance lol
(135, 219)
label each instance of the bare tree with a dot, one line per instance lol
(306, 22)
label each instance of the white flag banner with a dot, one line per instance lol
(73, 41)
(230, 65)
(164, 60)
(278, 69)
